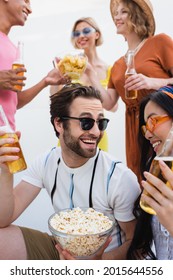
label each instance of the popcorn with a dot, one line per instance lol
(83, 232)
(73, 65)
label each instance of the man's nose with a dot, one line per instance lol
(95, 129)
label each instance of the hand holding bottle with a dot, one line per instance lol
(10, 150)
(166, 155)
(161, 197)
(9, 78)
(18, 64)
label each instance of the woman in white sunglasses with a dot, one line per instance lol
(87, 35)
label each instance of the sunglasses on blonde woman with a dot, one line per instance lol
(85, 32)
(153, 122)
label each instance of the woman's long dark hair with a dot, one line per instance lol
(143, 237)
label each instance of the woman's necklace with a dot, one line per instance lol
(136, 49)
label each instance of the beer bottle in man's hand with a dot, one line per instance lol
(18, 164)
(19, 62)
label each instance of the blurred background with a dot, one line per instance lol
(45, 35)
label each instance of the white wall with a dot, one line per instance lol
(45, 35)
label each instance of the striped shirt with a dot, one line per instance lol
(102, 182)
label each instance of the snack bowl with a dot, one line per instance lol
(81, 231)
(73, 64)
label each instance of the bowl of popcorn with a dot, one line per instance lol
(73, 64)
(81, 231)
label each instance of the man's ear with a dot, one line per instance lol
(58, 125)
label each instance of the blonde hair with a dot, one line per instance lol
(138, 20)
(93, 24)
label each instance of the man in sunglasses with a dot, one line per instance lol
(77, 174)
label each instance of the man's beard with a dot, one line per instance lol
(73, 144)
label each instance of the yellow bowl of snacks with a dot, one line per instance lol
(73, 64)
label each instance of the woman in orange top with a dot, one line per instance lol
(153, 62)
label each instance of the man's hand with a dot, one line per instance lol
(54, 77)
(65, 255)
(6, 152)
(10, 78)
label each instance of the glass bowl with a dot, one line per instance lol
(73, 64)
(81, 231)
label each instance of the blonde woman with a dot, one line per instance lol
(86, 35)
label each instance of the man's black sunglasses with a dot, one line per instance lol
(88, 123)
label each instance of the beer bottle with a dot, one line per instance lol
(19, 164)
(19, 62)
(130, 94)
(166, 155)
